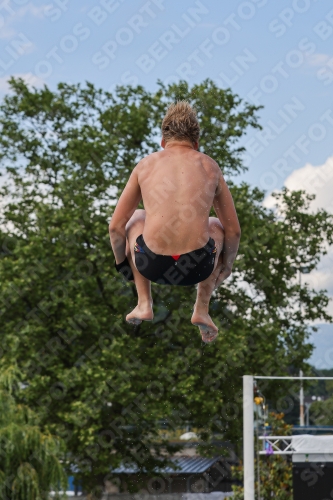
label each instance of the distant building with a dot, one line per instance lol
(191, 474)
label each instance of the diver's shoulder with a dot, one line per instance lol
(208, 162)
(148, 160)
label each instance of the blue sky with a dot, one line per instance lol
(275, 53)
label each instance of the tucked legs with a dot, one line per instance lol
(205, 289)
(144, 309)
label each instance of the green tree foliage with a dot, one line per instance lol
(275, 471)
(99, 383)
(322, 412)
(29, 458)
(320, 387)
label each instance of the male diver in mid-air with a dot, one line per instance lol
(173, 240)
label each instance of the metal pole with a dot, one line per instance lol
(292, 378)
(257, 453)
(307, 413)
(301, 401)
(248, 438)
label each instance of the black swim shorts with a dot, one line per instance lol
(183, 270)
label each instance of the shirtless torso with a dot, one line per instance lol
(178, 187)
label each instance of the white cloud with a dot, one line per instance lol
(29, 78)
(318, 59)
(32, 10)
(10, 17)
(317, 180)
(13, 14)
(7, 32)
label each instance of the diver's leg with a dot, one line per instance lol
(144, 309)
(205, 289)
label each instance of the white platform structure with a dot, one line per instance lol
(303, 447)
(292, 445)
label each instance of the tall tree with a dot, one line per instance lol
(322, 412)
(100, 384)
(30, 465)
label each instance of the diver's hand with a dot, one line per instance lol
(224, 274)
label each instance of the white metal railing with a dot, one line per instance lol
(248, 425)
(273, 445)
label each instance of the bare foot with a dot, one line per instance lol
(208, 329)
(141, 313)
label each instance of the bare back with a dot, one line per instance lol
(178, 186)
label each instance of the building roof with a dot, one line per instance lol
(185, 465)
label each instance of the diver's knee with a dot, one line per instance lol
(139, 212)
(138, 217)
(215, 224)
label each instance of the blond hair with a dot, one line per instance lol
(181, 123)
